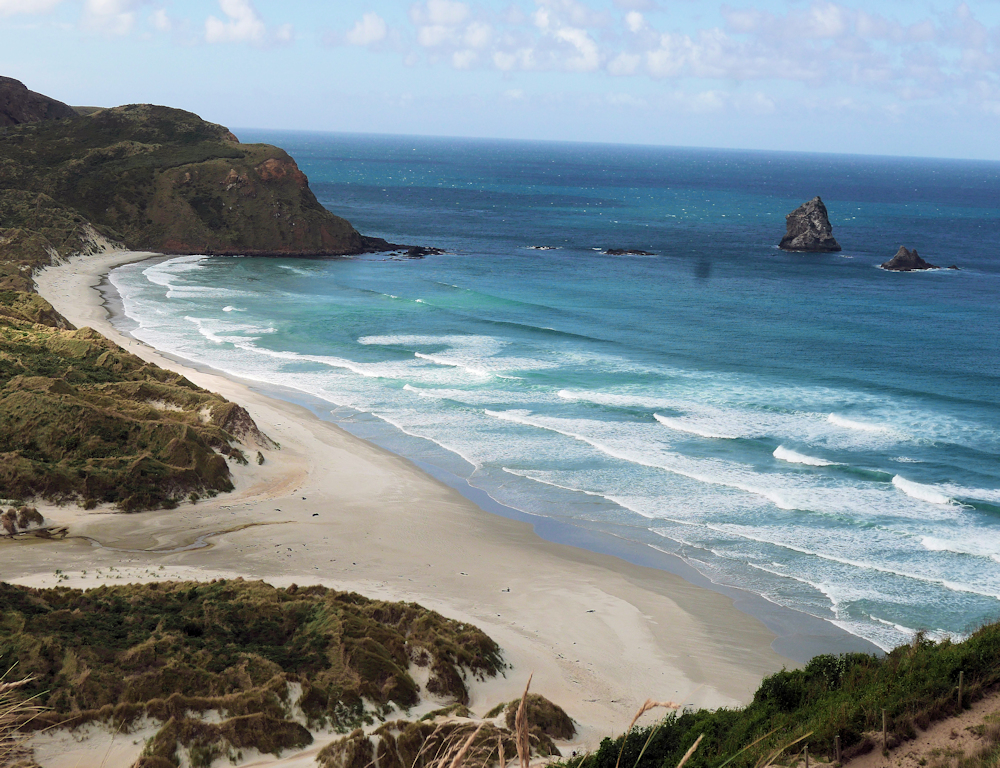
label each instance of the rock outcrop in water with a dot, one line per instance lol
(809, 229)
(906, 260)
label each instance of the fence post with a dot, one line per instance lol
(961, 680)
(836, 747)
(885, 733)
(806, 751)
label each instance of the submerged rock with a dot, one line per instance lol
(627, 252)
(809, 229)
(906, 260)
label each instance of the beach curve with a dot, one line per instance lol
(600, 634)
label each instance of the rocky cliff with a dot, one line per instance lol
(808, 229)
(19, 105)
(162, 179)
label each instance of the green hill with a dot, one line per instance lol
(80, 418)
(163, 179)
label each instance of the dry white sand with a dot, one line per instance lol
(599, 634)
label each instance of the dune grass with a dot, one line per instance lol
(81, 419)
(832, 696)
(248, 651)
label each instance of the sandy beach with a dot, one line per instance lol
(599, 634)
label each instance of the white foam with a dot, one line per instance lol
(441, 360)
(976, 494)
(861, 426)
(978, 547)
(953, 586)
(684, 425)
(794, 457)
(232, 309)
(919, 491)
(774, 496)
(296, 270)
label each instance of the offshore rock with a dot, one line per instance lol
(809, 229)
(19, 105)
(906, 260)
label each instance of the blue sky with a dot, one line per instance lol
(915, 78)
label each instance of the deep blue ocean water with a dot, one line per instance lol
(808, 427)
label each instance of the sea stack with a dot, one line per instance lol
(906, 260)
(809, 229)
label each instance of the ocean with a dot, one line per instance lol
(809, 428)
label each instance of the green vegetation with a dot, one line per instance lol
(832, 696)
(34, 228)
(82, 419)
(545, 717)
(451, 742)
(242, 649)
(156, 178)
(402, 744)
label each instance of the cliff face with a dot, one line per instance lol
(162, 179)
(19, 105)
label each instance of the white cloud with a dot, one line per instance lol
(241, 25)
(370, 28)
(624, 64)
(636, 5)
(15, 7)
(113, 17)
(445, 13)
(837, 48)
(826, 20)
(433, 35)
(464, 59)
(635, 22)
(161, 21)
(587, 57)
(478, 35)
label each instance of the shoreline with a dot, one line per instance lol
(799, 635)
(600, 633)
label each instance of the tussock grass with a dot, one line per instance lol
(171, 650)
(832, 696)
(83, 420)
(16, 710)
(449, 744)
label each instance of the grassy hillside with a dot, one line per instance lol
(163, 179)
(248, 651)
(833, 696)
(83, 420)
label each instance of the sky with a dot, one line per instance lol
(871, 77)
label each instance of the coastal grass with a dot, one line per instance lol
(451, 743)
(15, 710)
(832, 696)
(250, 652)
(83, 420)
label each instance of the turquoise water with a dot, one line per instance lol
(807, 427)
